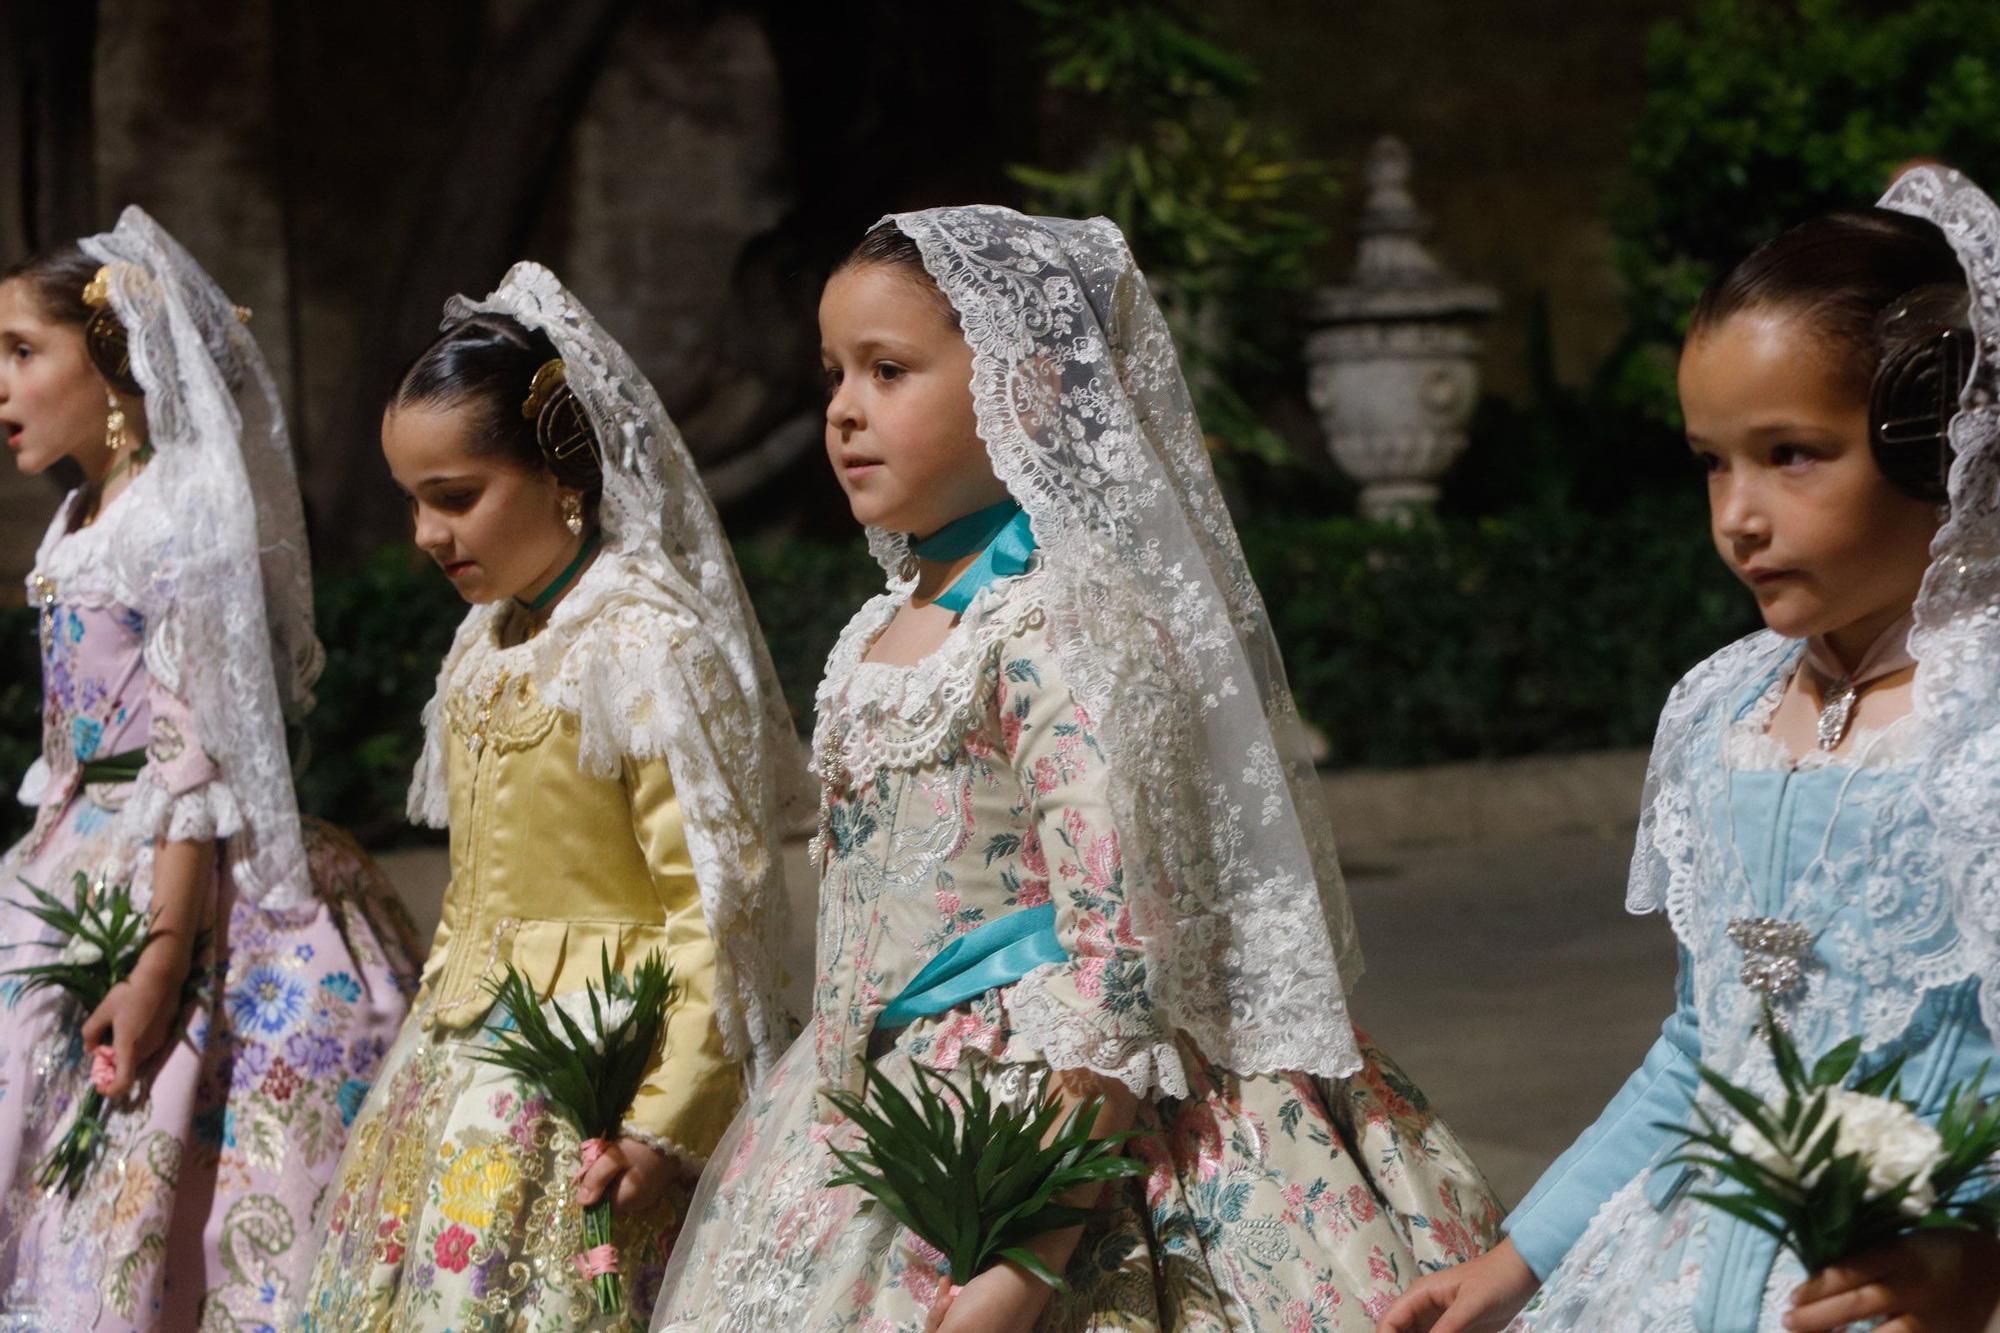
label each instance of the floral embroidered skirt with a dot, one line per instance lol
(455, 1207)
(1675, 1266)
(197, 1211)
(1272, 1202)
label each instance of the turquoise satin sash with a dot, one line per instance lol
(997, 954)
(1001, 534)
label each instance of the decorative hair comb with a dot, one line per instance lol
(568, 444)
(550, 376)
(104, 337)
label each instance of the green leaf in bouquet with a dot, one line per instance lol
(972, 1178)
(1029, 1260)
(1839, 1213)
(118, 930)
(106, 919)
(1742, 1102)
(589, 1079)
(1939, 1220)
(1785, 1055)
(1745, 1211)
(1834, 1067)
(1884, 1082)
(1970, 1129)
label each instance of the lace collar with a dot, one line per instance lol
(872, 714)
(78, 563)
(1749, 746)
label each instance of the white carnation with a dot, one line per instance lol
(577, 1005)
(81, 951)
(1745, 1141)
(1892, 1143)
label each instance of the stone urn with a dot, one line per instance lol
(1393, 355)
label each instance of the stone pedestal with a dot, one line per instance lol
(1394, 355)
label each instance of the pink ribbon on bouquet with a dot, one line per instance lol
(591, 1150)
(103, 1068)
(599, 1262)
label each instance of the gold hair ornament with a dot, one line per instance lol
(561, 427)
(104, 337)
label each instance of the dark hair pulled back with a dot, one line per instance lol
(489, 365)
(1886, 292)
(57, 276)
(889, 246)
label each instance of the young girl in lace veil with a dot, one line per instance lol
(1066, 722)
(611, 753)
(1821, 804)
(177, 642)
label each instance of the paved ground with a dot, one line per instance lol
(1509, 982)
(1505, 977)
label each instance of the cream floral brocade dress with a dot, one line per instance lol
(1270, 1201)
(455, 1205)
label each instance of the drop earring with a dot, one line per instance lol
(114, 424)
(572, 512)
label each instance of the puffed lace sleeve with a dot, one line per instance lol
(181, 794)
(1092, 1011)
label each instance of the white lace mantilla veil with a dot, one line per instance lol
(213, 545)
(1236, 891)
(1956, 640)
(673, 664)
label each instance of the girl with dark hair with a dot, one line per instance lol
(177, 644)
(1820, 809)
(610, 751)
(1070, 846)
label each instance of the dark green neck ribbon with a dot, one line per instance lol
(564, 579)
(1000, 533)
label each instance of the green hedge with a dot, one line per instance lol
(1546, 628)
(1542, 629)
(1757, 115)
(20, 714)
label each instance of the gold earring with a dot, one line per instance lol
(572, 512)
(114, 424)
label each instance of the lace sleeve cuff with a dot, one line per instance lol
(690, 1161)
(34, 783)
(195, 815)
(1049, 1013)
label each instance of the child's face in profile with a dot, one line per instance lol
(900, 431)
(52, 400)
(1797, 506)
(494, 527)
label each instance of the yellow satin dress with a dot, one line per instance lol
(454, 1206)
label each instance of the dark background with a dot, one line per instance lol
(692, 167)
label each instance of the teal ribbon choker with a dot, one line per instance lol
(1003, 536)
(564, 579)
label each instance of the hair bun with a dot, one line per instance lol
(104, 338)
(1925, 344)
(562, 427)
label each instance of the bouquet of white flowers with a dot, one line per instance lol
(587, 1052)
(104, 934)
(1831, 1170)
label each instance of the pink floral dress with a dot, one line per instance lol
(197, 1213)
(1271, 1201)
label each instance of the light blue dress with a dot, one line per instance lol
(1843, 846)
